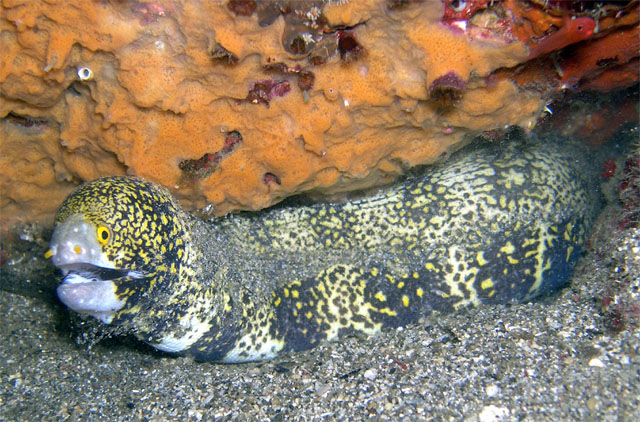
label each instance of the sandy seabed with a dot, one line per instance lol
(555, 359)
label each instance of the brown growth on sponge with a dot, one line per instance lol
(349, 48)
(305, 80)
(326, 48)
(26, 121)
(305, 77)
(269, 178)
(231, 140)
(303, 28)
(222, 55)
(298, 45)
(242, 7)
(263, 91)
(447, 89)
(397, 4)
(281, 67)
(201, 167)
(209, 162)
(268, 12)
(148, 12)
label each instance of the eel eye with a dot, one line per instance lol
(103, 235)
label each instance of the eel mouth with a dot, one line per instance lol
(89, 289)
(86, 272)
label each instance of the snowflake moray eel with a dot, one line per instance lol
(501, 223)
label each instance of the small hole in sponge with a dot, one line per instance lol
(269, 178)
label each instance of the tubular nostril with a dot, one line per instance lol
(77, 249)
(48, 254)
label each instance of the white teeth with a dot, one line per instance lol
(74, 278)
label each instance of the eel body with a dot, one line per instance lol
(496, 224)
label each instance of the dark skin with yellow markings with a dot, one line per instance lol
(494, 224)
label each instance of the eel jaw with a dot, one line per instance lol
(89, 289)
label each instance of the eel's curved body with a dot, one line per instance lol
(497, 224)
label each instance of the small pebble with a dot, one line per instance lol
(371, 374)
(492, 390)
(493, 413)
(596, 363)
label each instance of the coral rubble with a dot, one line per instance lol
(328, 96)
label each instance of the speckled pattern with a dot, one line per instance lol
(496, 224)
